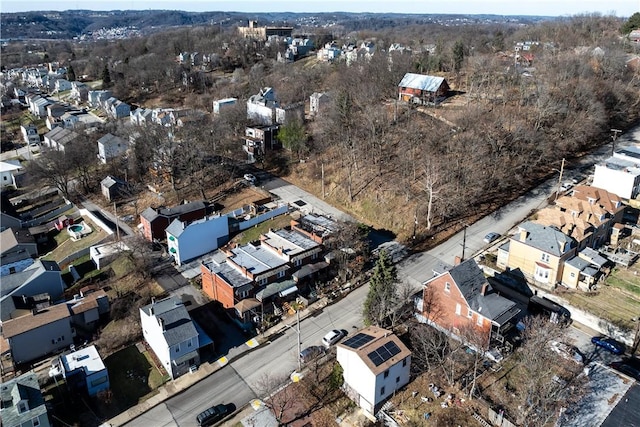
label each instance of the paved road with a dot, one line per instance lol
(237, 382)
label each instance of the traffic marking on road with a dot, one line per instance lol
(252, 343)
(223, 361)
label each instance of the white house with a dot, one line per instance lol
(30, 134)
(221, 104)
(171, 334)
(111, 146)
(105, 253)
(317, 101)
(23, 403)
(620, 173)
(58, 138)
(375, 364)
(261, 107)
(63, 85)
(84, 370)
(187, 241)
(7, 174)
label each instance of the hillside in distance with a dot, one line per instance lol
(75, 23)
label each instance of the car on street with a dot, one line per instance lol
(311, 353)
(566, 351)
(212, 415)
(630, 367)
(333, 337)
(250, 178)
(491, 237)
(608, 344)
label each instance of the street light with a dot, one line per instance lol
(559, 179)
(297, 329)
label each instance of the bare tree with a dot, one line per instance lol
(280, 395)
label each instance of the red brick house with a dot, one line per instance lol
(422, 89)
(460, 297)
(155, 221)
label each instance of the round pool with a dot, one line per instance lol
(76, 228)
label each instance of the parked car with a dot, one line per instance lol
(250, 178)
(491, 237)
(311, 353)
(333, 337)
(609, 344)
(211, 415)
(630, 367)
(567, 351)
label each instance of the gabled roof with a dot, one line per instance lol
(20, 325)
(608, 201)
(9, 167)
(421, 82)
(378, 348)
(177, 324)
(24, 387)
(547, 239)
(109, 139)
(11, 282)
(470, 280)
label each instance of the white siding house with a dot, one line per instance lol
(375, 364)
(187, 241)
(620, 174)
(171, 334)
(221, 104)
(111, 146)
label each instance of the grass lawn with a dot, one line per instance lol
(262, 228)
(65, 246)
(133, 378)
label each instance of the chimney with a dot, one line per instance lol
(563, 245)
(523, 234)
(161, 323)
(485, 287)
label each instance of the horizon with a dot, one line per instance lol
(550, 8)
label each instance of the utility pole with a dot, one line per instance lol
(322, 171)
(115, 213)
(560, 179)
(464, 241)
(299, 343)
(614, 137)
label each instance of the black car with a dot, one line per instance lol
(630, 367)
(211, 415)
(311, 353)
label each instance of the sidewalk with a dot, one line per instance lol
(182, 383)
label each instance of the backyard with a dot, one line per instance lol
(64, 245)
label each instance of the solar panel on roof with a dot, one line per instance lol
(358, 340)
(383, 353)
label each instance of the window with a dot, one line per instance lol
(178, 348)
(35, 422)
(404, 362)
(545, 257)
(381, 391)
(297, 262)
(573, 274)
(314, 256)
(386, 373)
(99, 381)
(281, 273)
(479, 321)
(447, 287)
(397, 380)
(542, 274)
(262, 282)
(469, 313)
(458, 309)
(189, 343)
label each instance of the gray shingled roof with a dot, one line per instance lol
(24, 387)
(470, 280)
(177, 322)
(547, 239)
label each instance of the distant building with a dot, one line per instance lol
(422, 89)
(222, 104)
(252, 31)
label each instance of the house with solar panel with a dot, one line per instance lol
(375, 365)
(422, 89)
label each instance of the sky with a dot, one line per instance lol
(622, 8)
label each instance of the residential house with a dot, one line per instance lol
(171, 334)
(422, 89)
(587, 215)
(189, 240)
(18, 248)
(30, 134)
(9, 221)
(258, 268)
(460, 301)
(111, 146)
(290, 113)
(112, 187)
(155, 221)
(84, 371)
(119, 109)
(141, 116)
(318, 101)
(55, 110)
(96, 98)
(585, 270)
(259, 141)
(70, 119)
(23, 404)
(375, 365)
(634, 36)
(261, 107)
(79, 91)
(58, 138)
(41, 332)
(87, 307)
(620, 173)
(38, 105)
(41, 277)
(315, 227)
(62, 85)
(538, 251)
(8, 173)
(222, 104)
(329, 53)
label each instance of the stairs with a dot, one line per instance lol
(481, 420)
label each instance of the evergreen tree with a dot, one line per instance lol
(458, 55)
(106, 77)
(382, 291)
(293, 138)
(633, 23)
(71, 74)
